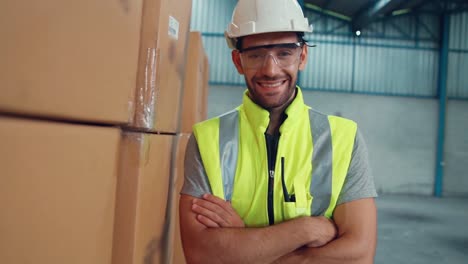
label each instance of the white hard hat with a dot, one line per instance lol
(263, 16)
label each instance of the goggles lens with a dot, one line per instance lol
(284, 54)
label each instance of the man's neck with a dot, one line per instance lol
(277, 116)
(276, 119)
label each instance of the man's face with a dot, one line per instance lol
(270, 84)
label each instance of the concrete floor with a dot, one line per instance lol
(416, 229)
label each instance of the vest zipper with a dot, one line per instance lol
(271, 181)
(272, 143)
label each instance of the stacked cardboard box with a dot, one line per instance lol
(90, 129)
(75, 193)
(57, 195)
(112, 62)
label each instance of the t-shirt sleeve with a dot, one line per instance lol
(195, 179)
(359, 182)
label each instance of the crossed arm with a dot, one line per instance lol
(212, 232)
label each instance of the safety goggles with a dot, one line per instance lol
(284, 54)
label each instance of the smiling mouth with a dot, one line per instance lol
(271, 85)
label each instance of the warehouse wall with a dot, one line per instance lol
(387, 59)
(456, 141)
(456, 149)
(457, 81)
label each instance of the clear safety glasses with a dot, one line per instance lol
(284, 54)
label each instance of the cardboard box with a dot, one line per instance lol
(69, 60)
(57, 192)
(109, 62)
(141, 224)
(175, 250)
(162, 64)
(194, 96)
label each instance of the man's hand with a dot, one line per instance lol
(325, 231)
(212, 211)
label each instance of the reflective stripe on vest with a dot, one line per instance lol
(220, 158)
(343, 134)
(228, 149)
(321, 186)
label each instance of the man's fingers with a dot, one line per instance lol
(213, 199)
(206, 221)
(218, 211)
(220, 202)
(208, 213)
(214, 207)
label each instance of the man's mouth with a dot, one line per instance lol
(271, 84)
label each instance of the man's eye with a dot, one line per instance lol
(254, 56)
(284, 53)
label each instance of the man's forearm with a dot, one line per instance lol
(356, 242)
(341, 250)
(247, 245)
(203, 244)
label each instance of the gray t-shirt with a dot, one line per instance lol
(358, 184)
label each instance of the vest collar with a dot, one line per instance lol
(259, 117)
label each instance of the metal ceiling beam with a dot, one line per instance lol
(326, 12)
(372, 12)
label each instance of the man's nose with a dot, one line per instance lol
(270, 66)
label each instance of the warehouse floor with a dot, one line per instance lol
(416, 229)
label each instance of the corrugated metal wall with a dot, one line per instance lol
(396, 71)
(457, 79)
(396, 57)
(211, 16)
(222, 69)
(330, 67)
(391, 58)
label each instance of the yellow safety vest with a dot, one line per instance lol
(316, 149)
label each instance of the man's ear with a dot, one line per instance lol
(303, 58)
(235, 55)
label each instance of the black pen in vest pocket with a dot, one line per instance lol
(285, 191)
(287, 198)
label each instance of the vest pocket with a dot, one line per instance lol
(300, 207)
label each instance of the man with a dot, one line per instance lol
(274, 181)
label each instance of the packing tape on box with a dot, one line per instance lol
(147, 92)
